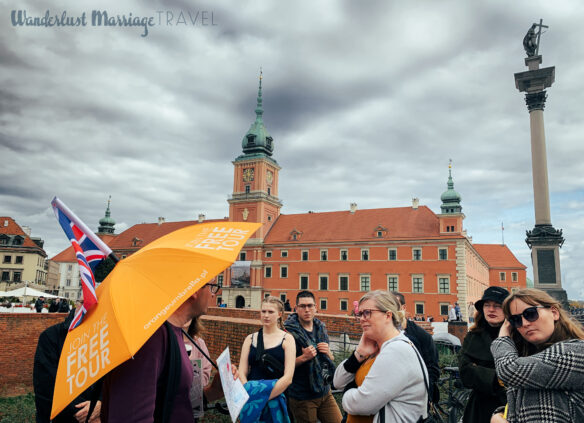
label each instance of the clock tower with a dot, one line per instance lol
(255, 182)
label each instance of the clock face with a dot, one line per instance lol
(248, 174)
(270, 176)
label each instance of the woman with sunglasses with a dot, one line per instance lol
(476, 363)
(385, 375)
(539, 356)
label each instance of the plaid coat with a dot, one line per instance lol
(547, 387)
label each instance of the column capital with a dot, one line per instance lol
(544, 235)
(535, 101)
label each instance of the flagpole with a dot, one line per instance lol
(88, 232)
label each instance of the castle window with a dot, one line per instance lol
(343, 283)
(416, 254)
(242, 256)
(7, 259)
(364, 254)
(303, 282)
(284, 253)
(419, 308)
(392, 283)
(344, 305)
(269, 191)
(247, 189)
(323, 303)
(323, 285)
(513, 276)
(304, 255)
(392, 254)
(283, 271)
(251, 140)
(443, 254)
(417, 284)
(444, 285)
(323, 255)
(365, 283)
(344, 255)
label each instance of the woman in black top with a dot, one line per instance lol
(477, 366)
(277, 343)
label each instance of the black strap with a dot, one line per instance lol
(382, 411)
(189, 337)
(260, 344)
(167, 388)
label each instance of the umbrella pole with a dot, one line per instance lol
(199, 348)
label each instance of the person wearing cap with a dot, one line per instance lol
(477, 366)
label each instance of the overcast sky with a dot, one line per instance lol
(366, 102)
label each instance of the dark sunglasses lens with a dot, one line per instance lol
(515, 321)
(530, 314)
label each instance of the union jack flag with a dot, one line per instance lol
(89, 250)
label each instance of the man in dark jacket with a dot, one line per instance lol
(46, 361)
(39, 304)
(425, 345)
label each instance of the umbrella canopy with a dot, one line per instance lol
(447, 338)
(137, 297)
(26, 291)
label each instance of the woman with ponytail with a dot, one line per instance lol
(266, 364)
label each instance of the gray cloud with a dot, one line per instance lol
(366, 103)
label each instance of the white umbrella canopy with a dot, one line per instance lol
(25, 291)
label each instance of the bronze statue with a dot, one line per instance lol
(531, 39)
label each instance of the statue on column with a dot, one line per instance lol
(530, 41)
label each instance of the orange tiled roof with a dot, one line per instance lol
(8, 226)
(68, 254)
(497, 255)
(145, 233)
(400, 222)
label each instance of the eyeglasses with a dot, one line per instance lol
(366, 314)
(530, 314)
(214, 287)
(307, 306)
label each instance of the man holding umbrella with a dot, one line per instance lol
(149, 387)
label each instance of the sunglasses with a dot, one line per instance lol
(366, 314)
(530, 314)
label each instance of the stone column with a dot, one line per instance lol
(544, 240)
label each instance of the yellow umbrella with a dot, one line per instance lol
(137, 297)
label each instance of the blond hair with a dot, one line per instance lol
(386, 301)
(270, 299)
(564, 328)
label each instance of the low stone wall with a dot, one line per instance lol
(19, 334)
(224, 327)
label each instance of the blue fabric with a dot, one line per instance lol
(259, 408)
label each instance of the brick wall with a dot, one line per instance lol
(19, 334)
(224, 327)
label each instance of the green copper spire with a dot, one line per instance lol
(106, 223)
(450, 198)
(257, 142)
(259, 110)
